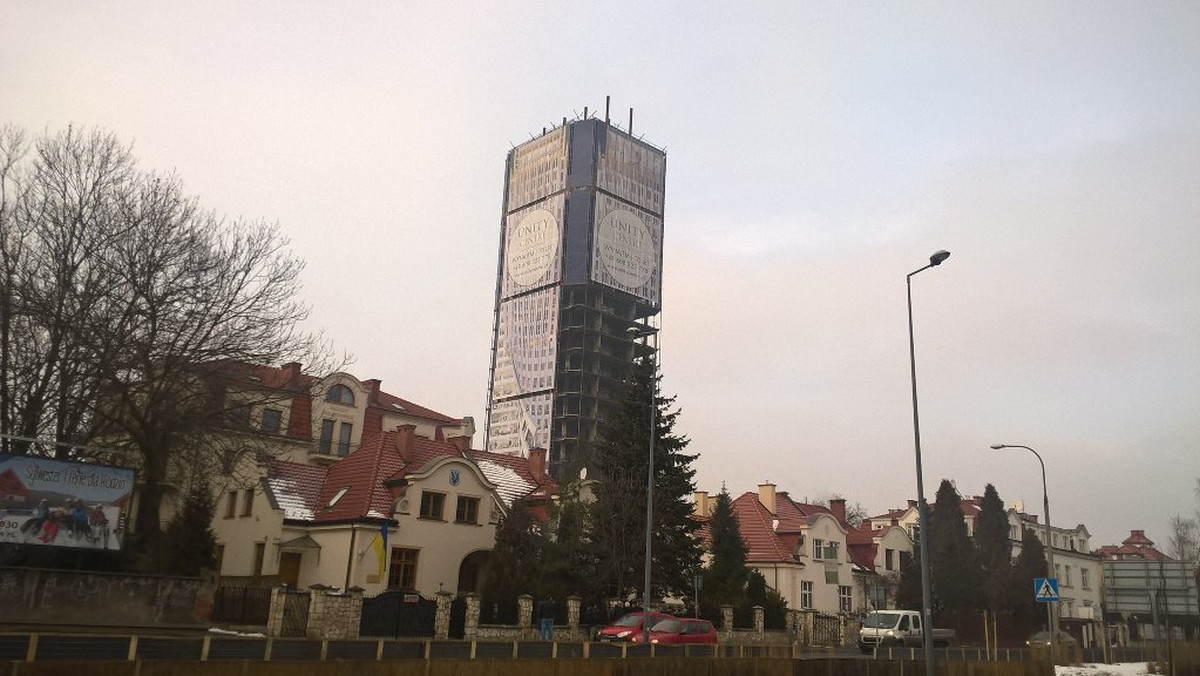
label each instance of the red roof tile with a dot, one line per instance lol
(758, 531)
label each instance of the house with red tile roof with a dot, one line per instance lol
(343, 484)
(401, 511)
(811, 554)
(1148, 593)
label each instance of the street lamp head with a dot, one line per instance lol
(937, 258)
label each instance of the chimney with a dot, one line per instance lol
(404, 441)
(700, 503)
(838, 507)
(463, 444)
(372, 386)
(291, 371)
(537, 462)
(766, 495)
(438, 434)
(912, 504)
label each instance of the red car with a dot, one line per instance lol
(680, 630)
(628, 626)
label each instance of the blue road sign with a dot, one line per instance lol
(1045, 589)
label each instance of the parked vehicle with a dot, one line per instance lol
(680, 630)
(627, 626)
(1042, 640)
(898, 628)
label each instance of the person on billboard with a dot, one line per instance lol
(98, 522)
(33, 526)
(50, 525)
(78, 520)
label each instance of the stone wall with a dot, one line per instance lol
(334, 615)
(60, 597)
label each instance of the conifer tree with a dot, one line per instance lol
(726, 576)
(189, 545)
(618, 514)
(1030, 564)
(513, 568)
(954, 565)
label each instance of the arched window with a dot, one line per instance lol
(340, 394)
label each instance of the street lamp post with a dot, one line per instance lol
(1050, 609)
(636, 332)
(922, 508)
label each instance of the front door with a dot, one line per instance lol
(289, 569)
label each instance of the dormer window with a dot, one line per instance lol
(340, 394)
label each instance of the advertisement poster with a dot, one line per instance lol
(62, 504)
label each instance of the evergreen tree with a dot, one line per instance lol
(995, 550)
(773, 604)
(618, 514)
(189, 545)
(513, 568)
(908, 590)
(1030, 564)
(566, 566)
(726, 575)
(954, 566)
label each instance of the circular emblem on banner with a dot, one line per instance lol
(626, 248)
(531, 248)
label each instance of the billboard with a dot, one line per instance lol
(532, 247)
(627, 249)
(518, 425)
(633, 171)
(526, 344)
(62, 504)
(537, 169)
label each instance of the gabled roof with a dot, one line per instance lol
(364, 484)
(390, 403)
(295, 488)
(757, 526)
(515, 479)
(1136, 546)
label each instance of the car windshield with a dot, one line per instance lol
(880, 620)
(628, 620)
(666, 626)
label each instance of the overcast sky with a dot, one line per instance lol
(816, 154)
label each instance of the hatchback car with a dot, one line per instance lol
(628, 626)
(680, 630)
(1042, 640)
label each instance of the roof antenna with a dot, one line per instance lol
(630, 123)
(585, 113)
(606, 101)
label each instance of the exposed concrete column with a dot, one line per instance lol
(760, 622)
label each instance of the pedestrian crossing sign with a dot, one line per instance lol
(1045, 589)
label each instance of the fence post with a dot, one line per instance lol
(525, 616)
(275, 614)
(471, 630)
(573, 631)
(441, 622)
(727, 620)
(760, 622)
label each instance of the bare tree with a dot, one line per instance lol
(129, 311)
(1184, 544)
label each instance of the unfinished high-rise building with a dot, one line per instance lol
(581, 243)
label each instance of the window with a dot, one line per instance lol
(270, 420)
(231, 504)
(914, 532)
(220, 557)
(326, 436)
(248, 502)
(831, 550)
(889, 559)
(844, 598)
(831, 573)
(239, 416)
(467, 511)
(1084, 580)
(340, 394)
(432, 505)
(260, 553)
(344, 438)
(402, 573)
(806, 594)
(818, 549)
(878, 596)
(1067, 576)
